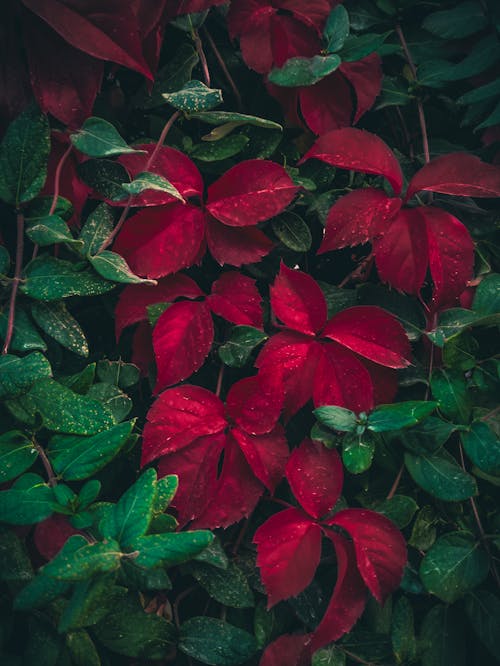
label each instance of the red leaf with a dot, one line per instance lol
(266, 454)
(291, 38)
(365, 76)
(357, 217)
(51, 534)
(451, 255)
(255, 43)
(371, 332)
(169, 163)
(159, 241)
(348, 599)
(355, 149)
(327, 105)
(236, 298)
(298, 301)
(380, 549)
(288, 650)
(342, 379)
(108, 32)
(135, 298)
(460, 174)
(196, 6)
(255, 404)
(316, 476)
(178, 417)
(182, 339)
(288, 552)
(237, 492)
(250, 192)
(401, 254)
(142, 348)
(313, 12)
(384, 381)
(236, 246)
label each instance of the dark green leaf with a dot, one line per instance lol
(115, 402)
(428, 436)
(292, 231)
(213, 151)
(399, 415)
(399, 508)
(4, 260)
(454, 565)
(356, 48)
(15, 563)
(487, 296)
(337, 299)
(194, 96)
(450, 390)
(104, 176)
(81, 381)
(394, 93)
(492, 119)
(173, 75)
(337, 418)
(336, 29)
(229, 587)
(82, 650)
(98, 138)
(480, 58)
(237, 119)
(26, 337)
(42, 207)
(49, 230)
(113, 267)
(98, 226)
(138, 578)
(55, 320)
(357, 453)
(91, 601)
(28, 501)
(242, 341)
(88, 559)
(304, 71)
(404, 644)
(423, 533)
(214, 555)
(39, 592)
(407, 310)
(441, 476)
(151, 181)
(455, 320)
(24, 153)
(483, 611)
(483, 447)
(121, 374)
(488, 91)
(216, 642)
(169, 549)
(330, 656)
(17, 454)
(18, 374)
(465, 19)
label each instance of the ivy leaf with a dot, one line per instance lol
(399, 415)
(304, 71)
(337, 418)
(194, 96)
(28, 501)
(238, 348)
(98, 138)
(17, 454)
(336, 29)
(55, 320)
(169, 549)
(98, 226)
(113, 267)
(483, 447)
(151, 181)
(441, 476)
(216, 642)
(18, 374)
(49, 230)
(72, 565)
(24, 154)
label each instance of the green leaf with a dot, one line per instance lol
(483, 611)
(216, 642)
(394, 93)
(229, 587)
(481, 57)
(292, 231)
(28, 501)
(115, 401)
(450, 390)
(214, 555)
(336, 29)
(329, 656)
(166, 487)
(423, 533)
(91, 601)
(173, 75)
(337, 418)
(18, 374)
(455, 320)
(49, 230)
(39, 592)
(357, 453)
(492, 119)
(213, 151)
(98, 138)
(169, 549)
(49, 279)
(55, 320)
(98, 226)
(356, 48)
(480, 94)
(81, 381)
(194, 96)
(483, 447)
(428, 436)
(25, 338)
(15, 563)
(113, 267)
(465, 19)
(399, 415)
(487, 296)
(407, 310)
(82, 650)
(138, 578)
(237, 119)
(441, 476)
(151, 181)
(76, 458)
(304, 71)
(399, 508)
(24, 153)
(87, 560)
(404, 644)
(121, 374)
(130, 517)
(242, 341)
(4, 260)
(453, 566)
(42, 207)
(88, 493)
(104, 176)
(17, 454)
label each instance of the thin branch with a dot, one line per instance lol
(51, 477)
(15, 282)
(202, 56)
(395, 485)
(360, 272)
(57, 178)
(223, 66)
(220, 379)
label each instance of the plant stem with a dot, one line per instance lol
(57, 178)
(15, 282)
(51, 477)
(220, 379)
(395, 485)
(224, 68)
(202, 56)
(360, 272)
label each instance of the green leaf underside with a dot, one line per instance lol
(304, 71)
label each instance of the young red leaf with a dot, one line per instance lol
(51, 534)
(380, 549)
(288, 650)
(135, 298)
(355, 149)
(288, 552)
(266, 454)
(348, 599)
(298, 301)
(236, 245)
(178, 417)
(182, 338)
(236, 298)
(327, 105)
(460, 174)
(255, 404)
(316, 476)
(250, 192)
(372, 333)
(157, 242)
(365, 76)
(357, 217)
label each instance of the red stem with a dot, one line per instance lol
(202, 56)
(220, 379)
(15, 282)
(395, 485)
(51, 477)
(57, 178)
(223, 66)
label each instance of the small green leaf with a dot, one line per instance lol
(483, 447)
(82, 650)
(28, 501)
(169, 549)
(336, 29)
(216, 642)
(455, 320)
(173, 75)
(236, 119)
(329, 656)
(55, 320)
(104, 176)
(428, 436)
(304, 71)
(450, 390)
(465, 19)
(229, 587)
(337, 418)
(166, 487)
(399, 415)
(394, 93)
(98, 138)
(223, 149)
(26, 337)
(357, 453)
(151, 181)
(49, 230)
(76, 458)
(356, 48)
(114, 267)
(114, 400)
(399, 508)
(98, 226)
(483, 611)
(487, 296)
(404, 644)
(441, 476)
(121, 374)
(292, 231)
(214, 555)
(18, 374)
(24, 154)
(242, 341)
(91, 601)
(81, 381)
(49, 279)
(194, 96)
(88, 493)
(17, 454)
(423, 533)
(39, 592)
(454, 565)
(84, 562)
